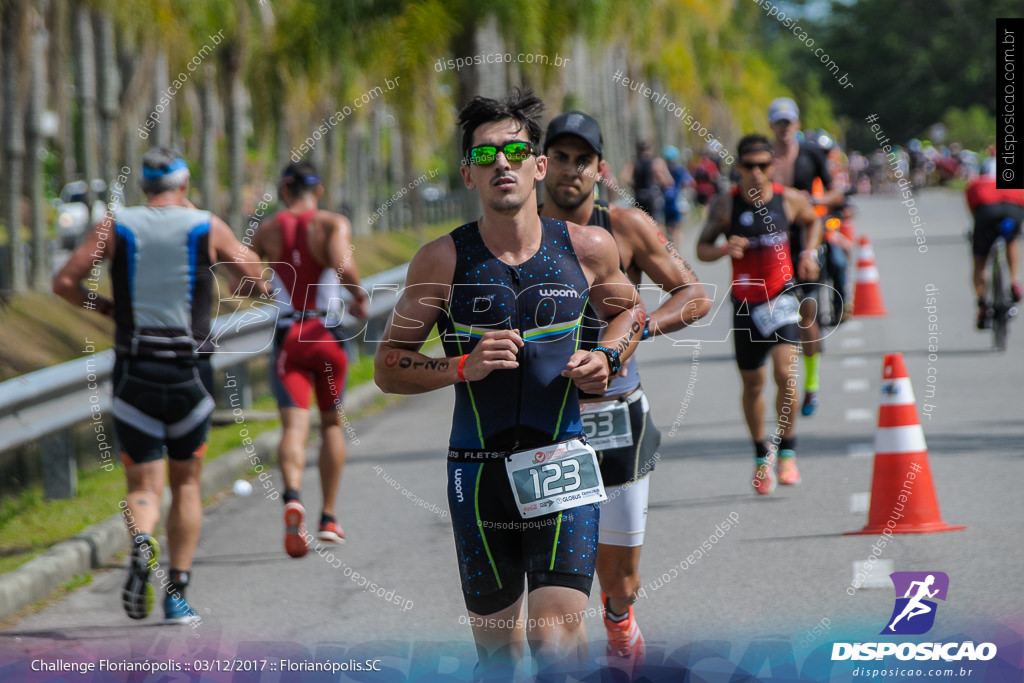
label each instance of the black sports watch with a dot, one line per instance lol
(614, 364)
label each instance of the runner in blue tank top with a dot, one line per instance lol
(508, 293)
(619, 424)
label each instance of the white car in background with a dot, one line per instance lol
(73, 216)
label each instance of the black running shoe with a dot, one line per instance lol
(984, 321)
(138, 597)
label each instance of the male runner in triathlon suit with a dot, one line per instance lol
(647, 175)
(755, 219)
(990, 206)
(162, 255)
(508, 293)
(673, 194)
(798, 165)
(299, 243)
(627, 453)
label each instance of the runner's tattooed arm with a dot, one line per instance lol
(659, 259)
(717, 223)
(399, 367)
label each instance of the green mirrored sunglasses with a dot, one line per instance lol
(517, 150)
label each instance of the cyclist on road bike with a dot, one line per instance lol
(990, 206)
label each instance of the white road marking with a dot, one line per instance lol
(852, 386)
(859, 415)
(860, 450)
(859, 502)
(855, 362)
(876, 575)
(852, 343)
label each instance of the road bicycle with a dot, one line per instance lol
(1003, 308)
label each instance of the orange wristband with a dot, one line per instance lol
(462, 367)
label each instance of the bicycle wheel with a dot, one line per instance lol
(1001, 302)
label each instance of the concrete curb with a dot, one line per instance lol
(95, 546)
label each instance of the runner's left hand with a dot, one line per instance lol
(589, 371)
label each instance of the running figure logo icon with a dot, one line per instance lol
(913, 613)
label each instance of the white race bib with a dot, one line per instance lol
(771, 315)
(554, 478)
(607, 424)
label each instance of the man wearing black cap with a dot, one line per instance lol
(300, 243)
(618, 422)
(162, 256)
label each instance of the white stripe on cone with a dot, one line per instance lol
(897, 392)
(909, 439)
(868, 274)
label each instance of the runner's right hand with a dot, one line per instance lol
(736, 246)
(496, 350)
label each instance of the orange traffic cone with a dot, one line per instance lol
(902, 492)
(867, 297)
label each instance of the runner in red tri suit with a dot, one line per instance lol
(300, 243)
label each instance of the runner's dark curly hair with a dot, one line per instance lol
(523, 106)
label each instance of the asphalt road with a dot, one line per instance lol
(781, 570)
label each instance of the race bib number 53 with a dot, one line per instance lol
(558, 477)
(607, 424)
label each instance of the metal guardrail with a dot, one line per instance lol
(43, 406)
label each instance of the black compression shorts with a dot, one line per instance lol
(496, 547)
(752, 347)
(987, 221)
(162, 403)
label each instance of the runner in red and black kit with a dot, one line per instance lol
(755, 219)
(990, 206)
(300, 243)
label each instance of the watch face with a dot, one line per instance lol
(614, 364)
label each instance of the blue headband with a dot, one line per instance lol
(153, 173)
(305, 180)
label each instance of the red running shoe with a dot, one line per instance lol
(295, 529)
(331, 533)
(626, 648)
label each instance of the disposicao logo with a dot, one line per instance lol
(915, 587)
(913, 615)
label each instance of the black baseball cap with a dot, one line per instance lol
(575, 123)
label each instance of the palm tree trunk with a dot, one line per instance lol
(162, 109)
(415, 193)
(357, 177)
(34, 143)
(236, 145)
(133, 159)
(374, 183)
(85, 67)
(208, 141)
(57, 57)
(236, 56)
(12, 38)
(108, 92)
(330, 169)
